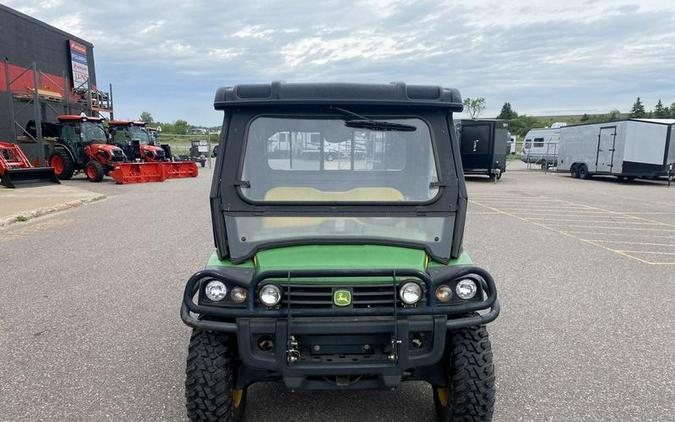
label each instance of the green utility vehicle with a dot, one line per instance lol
(338, 214)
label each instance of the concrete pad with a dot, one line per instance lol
(26, 203)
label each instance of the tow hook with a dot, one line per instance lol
(293, 351)
(393, 356)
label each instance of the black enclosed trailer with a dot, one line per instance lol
(483, 146)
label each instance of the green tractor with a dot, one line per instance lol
(338, 214)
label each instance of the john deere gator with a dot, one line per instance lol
(338, 214)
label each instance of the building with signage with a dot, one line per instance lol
(44, 72)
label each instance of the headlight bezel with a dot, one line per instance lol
(474, 287)
(228, 300)
(262, 288)
(402, 291)
(209, 291)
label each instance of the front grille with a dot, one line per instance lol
(309, 296)
(117, 155)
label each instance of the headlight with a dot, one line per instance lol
(443, 293)
(466, 289)
(410, 293)
(215, 290)
(239, 295)
(270, 295)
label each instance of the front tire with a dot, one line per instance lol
(210, 391)
(583, 172)
(62, 163)
(469, 394)
(94, 171)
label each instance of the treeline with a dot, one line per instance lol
(178, 127)
(520, 124)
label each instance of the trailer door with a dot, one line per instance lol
(476, 148)
(605, 154)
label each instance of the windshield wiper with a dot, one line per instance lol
(362, 122)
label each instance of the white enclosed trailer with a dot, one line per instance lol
(626, 149)
(540, 146)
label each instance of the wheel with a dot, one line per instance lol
(499, 175)
(203, 163)
(94, 171)
(62, 163)
(574, 171)
(209, 384)
(583, 172)
(470, 391)
(544, 165)
(632, 178)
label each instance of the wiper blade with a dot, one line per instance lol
(362, 122)
(380, 126)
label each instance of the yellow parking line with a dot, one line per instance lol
(622, 213)
(649, 252)
(595, 221)
(566, 234)
(621, 234)
(631, 242)
(619, 228)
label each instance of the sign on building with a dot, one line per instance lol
(79, 65)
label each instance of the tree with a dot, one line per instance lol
(147, 118)
(474, 106)
(638, 110)
(661, 112)
(181, 127)
(507, 112)
(672, 111)
(585, 117)
(614, 115)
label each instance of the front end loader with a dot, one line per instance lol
(16, 170)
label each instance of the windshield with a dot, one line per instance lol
(306, 159)
(93, 133)
(137, 133)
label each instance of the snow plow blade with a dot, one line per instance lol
(32, 176)
(125, 173)
(178, 169)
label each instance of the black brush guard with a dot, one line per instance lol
(286, 324)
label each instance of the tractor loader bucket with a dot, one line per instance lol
(125, 173)
(33, 176)
(16, 170)
(178, 169)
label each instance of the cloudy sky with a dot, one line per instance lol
(567, 57)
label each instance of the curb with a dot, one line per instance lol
(28, 215)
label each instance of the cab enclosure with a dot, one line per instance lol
(297, 153)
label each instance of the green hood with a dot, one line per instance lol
(337, 257)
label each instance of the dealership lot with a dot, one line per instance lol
(585, 268)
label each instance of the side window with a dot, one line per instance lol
(118, 136)
(527, 144)
(538, 142)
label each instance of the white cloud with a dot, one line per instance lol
(169, 56)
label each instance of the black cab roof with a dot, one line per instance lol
(392, 94)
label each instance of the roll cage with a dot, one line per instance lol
(243, 104)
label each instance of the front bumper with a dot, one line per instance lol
(308, 345)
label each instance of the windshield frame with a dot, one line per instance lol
(336, 115)
(226, 201)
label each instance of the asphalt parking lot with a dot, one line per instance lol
(585, 269)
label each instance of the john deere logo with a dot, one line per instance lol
(342, 298)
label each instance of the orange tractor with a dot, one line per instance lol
(136, 142)
(139, 145)
(82, 146)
